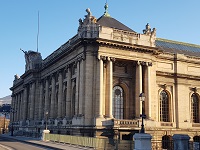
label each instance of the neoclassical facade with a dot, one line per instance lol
(91, 84)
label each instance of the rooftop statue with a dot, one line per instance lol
(147, 31)
(33, 59)
(87, 25)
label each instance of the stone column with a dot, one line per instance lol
(77, 89)
(148, 89)
(53, 90)
(110, 86)
(18, 106)
(41, 107)
(138, 89)
(12, 107)
(21, 106)
(29, 102)
(15, 108)
(142, 141)
(73, 98)
(81, 87)
(32, 101)
(60, 94)
(46, 101)
(181, 141)
(68, 100)
(100, 84)
(25, 104)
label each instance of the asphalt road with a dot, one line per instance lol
(11, 144)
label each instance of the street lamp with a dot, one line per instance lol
(46, 114)
(142, 98)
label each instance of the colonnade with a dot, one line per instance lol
(52, 94)
(61, 93)
(142, 85)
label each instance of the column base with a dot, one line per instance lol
(98, 120)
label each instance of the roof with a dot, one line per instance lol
(178, 47)
(112, 23)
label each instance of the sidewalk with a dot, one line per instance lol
(51, 145)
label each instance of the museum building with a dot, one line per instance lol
(90, 85)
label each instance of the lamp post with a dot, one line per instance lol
(46, 115)
(142, 98)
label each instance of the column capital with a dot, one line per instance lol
(111, 59)
(149, 64)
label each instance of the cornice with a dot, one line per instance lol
(177, 75)
(128, 46)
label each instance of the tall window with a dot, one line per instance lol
(195, 108)
(73, 101)
(164, 106)
(118, 102)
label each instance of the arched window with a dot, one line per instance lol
(164, 106)
(195, 108)
(118, 102)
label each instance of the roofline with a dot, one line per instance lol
(177, 42)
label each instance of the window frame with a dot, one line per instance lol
(164, 113)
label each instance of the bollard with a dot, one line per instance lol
(142, 141)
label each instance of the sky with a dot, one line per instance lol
(177, 20)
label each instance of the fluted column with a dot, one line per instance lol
(110, 87)
(138, 88)
(53, 90)
(41, 107)
(77, 89)
(68, 100)
(60, 94)
(32, 101)
(46, 101)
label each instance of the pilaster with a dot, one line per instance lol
(46, 103)
(53, 90)
(68, 100)
(77, 88)
(60, 94)
(32, 101)
(41, 101)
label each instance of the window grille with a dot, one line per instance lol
(195, 108)
(164, 106)
(118, 102)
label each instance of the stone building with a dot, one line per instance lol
(91, 84)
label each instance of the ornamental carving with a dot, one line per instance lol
(88, 27)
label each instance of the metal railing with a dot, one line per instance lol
(97, 143)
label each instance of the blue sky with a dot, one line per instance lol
(174, 19)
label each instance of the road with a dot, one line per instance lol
(11, 144)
